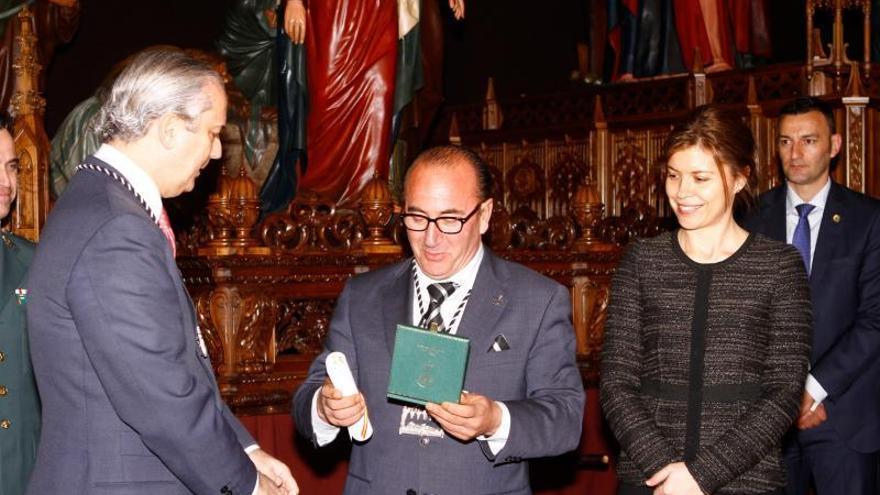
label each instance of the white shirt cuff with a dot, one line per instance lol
(497, 441)
(815, 390)
(248, 450)
(324, 432)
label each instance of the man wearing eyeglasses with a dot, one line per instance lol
(524, 394)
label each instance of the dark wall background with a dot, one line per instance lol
(528, 46)
(111, 30)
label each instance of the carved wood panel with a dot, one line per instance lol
(302, 325)
(637, 165)
(589, 302)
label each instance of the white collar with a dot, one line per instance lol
(142, 183)
(792, 199)
(464, 277)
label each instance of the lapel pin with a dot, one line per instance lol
(499, 300)
(21, 294)
(835, 218)
(203, 349)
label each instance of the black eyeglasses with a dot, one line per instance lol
(447, 225)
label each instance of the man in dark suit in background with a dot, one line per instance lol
(525, 397)
(130, 405)
(837, 232)
(19, 403)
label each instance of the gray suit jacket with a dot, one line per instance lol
(537, 379)
(129, 404)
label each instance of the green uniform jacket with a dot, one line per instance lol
(19, 402)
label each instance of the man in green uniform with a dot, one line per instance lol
(19, 402)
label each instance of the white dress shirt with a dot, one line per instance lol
(792, 200)
(464, 278)
(142, 183)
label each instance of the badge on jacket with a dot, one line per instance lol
(203, 349)
(21, 295)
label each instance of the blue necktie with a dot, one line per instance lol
(801, 237)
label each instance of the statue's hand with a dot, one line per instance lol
(295, 21)
(457, 7)
(65, 3)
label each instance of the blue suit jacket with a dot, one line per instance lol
(129, 405)
(536, 378)
(845, 286)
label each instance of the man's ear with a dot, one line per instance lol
(486, 215)
(836, 141)
(168, 128)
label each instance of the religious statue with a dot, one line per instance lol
(348, 62)
(655, 37)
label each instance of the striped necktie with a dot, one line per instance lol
(438, 293)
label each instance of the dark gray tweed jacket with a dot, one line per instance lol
(705, 363)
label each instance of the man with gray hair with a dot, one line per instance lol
(130, 404)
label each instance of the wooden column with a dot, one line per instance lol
(764, 154)
(700, 92)
(855, 104)
(601, 148)
(31, 142)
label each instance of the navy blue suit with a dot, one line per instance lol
(129, 404)
(845, 285)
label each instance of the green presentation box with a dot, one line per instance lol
(427, 366)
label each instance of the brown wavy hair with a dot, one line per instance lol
(725, 136)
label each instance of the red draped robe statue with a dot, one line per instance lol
(351, 60)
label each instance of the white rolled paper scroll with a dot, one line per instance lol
(340, 375)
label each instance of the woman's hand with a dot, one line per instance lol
(674, 479)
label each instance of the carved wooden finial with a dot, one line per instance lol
(752, 96)
(377, 208)
(243, 187)
(587, 210)
(31, 142)
(492, 116)
(454, 134)
(698, 68)
(224, 182)
(233, 211)
(598, 112)
(854, 86)
(490, 90)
